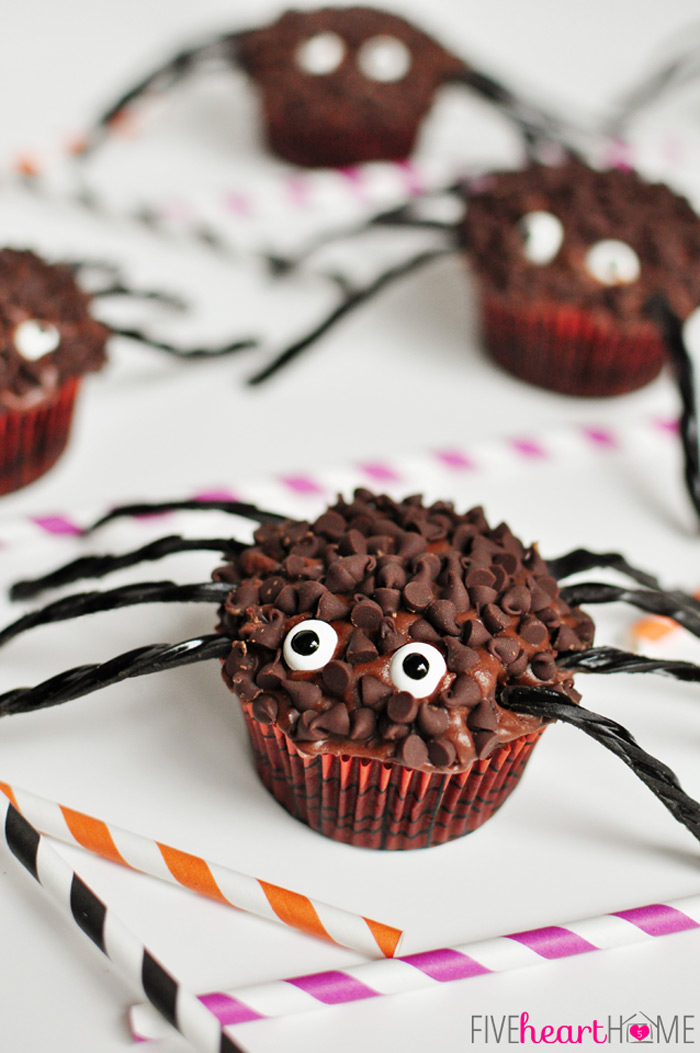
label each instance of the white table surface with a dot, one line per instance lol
(402, 377)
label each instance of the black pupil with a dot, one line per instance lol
(306, 642)
(416, 666)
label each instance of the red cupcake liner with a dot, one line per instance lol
(371, 804)
(569, 350)
(32, 440)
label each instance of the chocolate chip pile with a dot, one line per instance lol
(469, 606)
(593, 206)
(33, 290)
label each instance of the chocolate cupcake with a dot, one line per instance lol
(48, 340)
(344, 85)
(568, 262)
(369, 649)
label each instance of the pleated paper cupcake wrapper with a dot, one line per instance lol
(568, 350)
(372, 804)
(32, 440)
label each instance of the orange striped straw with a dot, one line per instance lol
(654, 628)
(371, 938)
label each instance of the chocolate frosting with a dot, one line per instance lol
(387, 574)
(343, 116)
(593, 206)
(33, 290)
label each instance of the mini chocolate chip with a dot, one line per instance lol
(305, 729)
(463, 691)
(367, 585)
(389, 639)
(455, 591)
(411, 545)
(483, 717)
(518, 666)
(335, 721)
(549, 585)
(352, 544)
(441, 753)
(392, 576)
(392, 732)
(516, 600)
(363, 724)
(373, 691)
(360, 648)
(484, 743)
(330, 525)
(459, 657)
(543, 665)
(239, 660)
(366, 615)
(269, 634)
(479, 576)
(380, 544)
(566, 639)
(287, 600)
(539, 599)
(246, 595)
(551, 617)
(303, 694)
(337, 677)
(413, 751)
(265, 709)
(426, 567)
(421, 630)
(494, 618)
(533, 631)
(432, 720)
(388, 599)
(270, 588)
(402, 707)
(481, 595)
(331, 608)
(296, 566)
(500, 578)
(475, 633)
(505, 648)
(507, 561)
(245, 686)
(271, 676)
(308, 594)
(442, 614)
(417, 595)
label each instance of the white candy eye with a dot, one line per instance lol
(384, 58)
(321, 54)
(309, 645)
(417, 668)
(35, 339)
(613, 262)
(691, 333)
(542, 235)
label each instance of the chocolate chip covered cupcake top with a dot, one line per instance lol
(601, 241)
(345, 81)
(47, 334)
(386, 629)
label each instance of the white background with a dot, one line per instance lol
(403, 376)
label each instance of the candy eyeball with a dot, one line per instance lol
(309, 645)
(384, 59)
(320, 54)
(417, 668)
(691, 334)
(542, 234)
(613, 262)
(34, 339)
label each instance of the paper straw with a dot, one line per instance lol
(311, 916)
(182, 1009)
(299, 994)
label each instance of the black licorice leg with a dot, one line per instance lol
(683, 69)
(146, 508)
(221, 47)
(244, 344)
(682, 608)
(684, 374)
(582, 559)
(125, 596)
(85, 679)
(663, 783)
(613, 660)
(155, 295)
(99, 566)
(351, 301)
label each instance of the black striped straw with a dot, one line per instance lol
(176, 1004)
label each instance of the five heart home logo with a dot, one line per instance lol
(640, 1031)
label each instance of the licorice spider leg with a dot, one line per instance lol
(100, 566)
(614, 660)
(145, 508)
(83, 680)
(82, 603)
(582, 559)
(682, 608)
(551, 705)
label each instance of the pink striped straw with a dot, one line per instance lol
(299, 994)
(312, 916)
